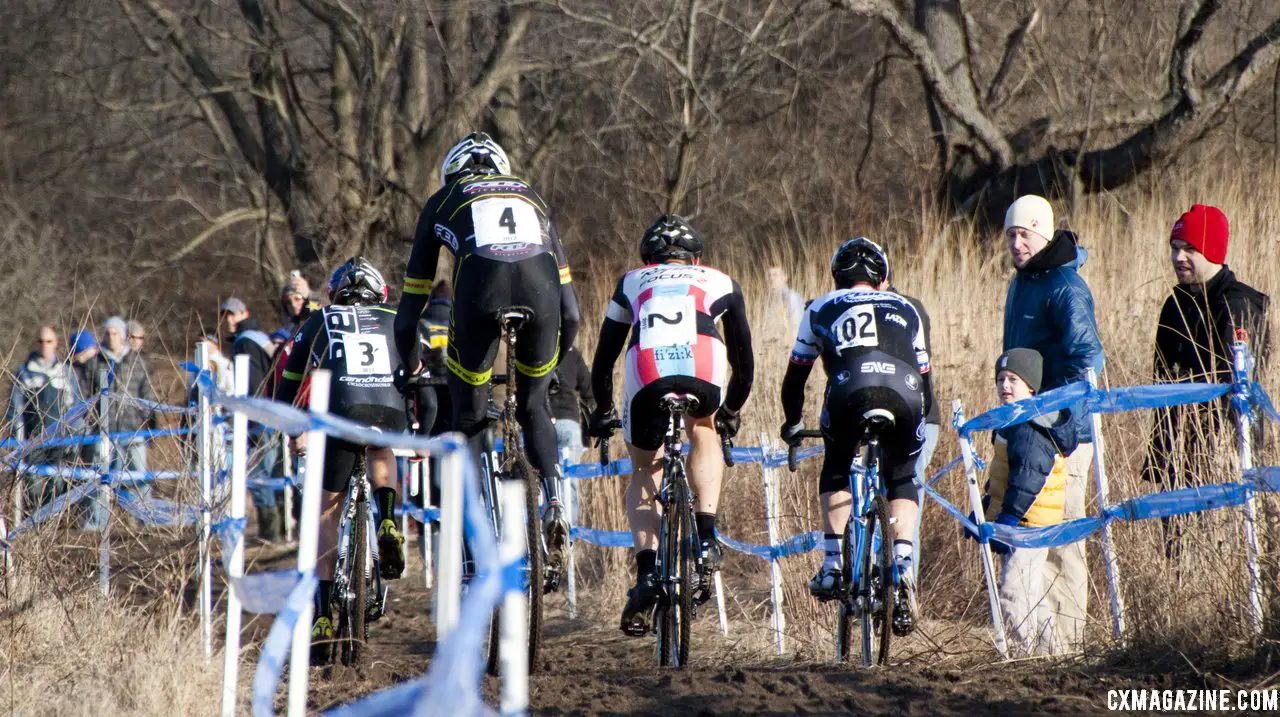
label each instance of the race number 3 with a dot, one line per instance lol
(503, 220)
(857, 327)
(668, 321)
(367, 355)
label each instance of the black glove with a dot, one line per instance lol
(790, 431)
(728, 422)
(602, 423)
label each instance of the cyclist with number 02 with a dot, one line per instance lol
(670, 307)
(873, 349)
(506, 254)
(352, 339)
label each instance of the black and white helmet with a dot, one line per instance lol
(859, 260)
(671, 237)
(357, 282)
(476, 153)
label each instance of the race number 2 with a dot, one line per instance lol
(367, 355)
(668, 321)
(504, 220)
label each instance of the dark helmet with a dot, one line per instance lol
(357, 282)
(671, 237)
(859, 260)
(476, 153)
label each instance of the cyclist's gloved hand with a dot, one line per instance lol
(601, 423)
(728, 422)
(790, 431)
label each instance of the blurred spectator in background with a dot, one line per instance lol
(84, 348)
(137, 337)
(44, 390)
(248, 338)
(296, 302)
(783, 300)
(1198, 325)
(124, 375)
(571, 399)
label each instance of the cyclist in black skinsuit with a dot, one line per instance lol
(353, 339)
(873, 349)
(506, 253)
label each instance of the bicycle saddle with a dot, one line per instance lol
(514, 315)
(877, 421)
(679, 402)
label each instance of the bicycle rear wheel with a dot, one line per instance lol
(689, 549)
(845, 611)
(666, 620)
(352, 627)
(537, 562)
(876, 584)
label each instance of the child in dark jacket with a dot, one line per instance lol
(1026, 487)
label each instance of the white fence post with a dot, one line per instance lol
(1244, 425)
(104, 486)
(570, 511)
(513, 639)
(235, 568)
(984, 550)
(772, 525)
(308, 543)
(206, 500)
(290, 526)
(423, 468)
(20, 433)
(1108, 548)
(449, 580)
(8, 559)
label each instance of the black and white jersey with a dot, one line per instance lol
(357, 344)
(846, 326)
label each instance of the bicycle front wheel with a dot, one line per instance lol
(875, 585)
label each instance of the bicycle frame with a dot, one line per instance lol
(864, 482)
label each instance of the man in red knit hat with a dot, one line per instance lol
(1197, 327)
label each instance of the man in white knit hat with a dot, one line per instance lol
(1049, 308)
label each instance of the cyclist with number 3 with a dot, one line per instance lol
(873, 349)
(352, 339)
(506, 254)
(670, 308)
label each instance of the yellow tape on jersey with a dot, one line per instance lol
(417, 286)
(566, 276)
(471, 377)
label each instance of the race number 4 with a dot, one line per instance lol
(367, 355)
(503, 220)
(857, 327)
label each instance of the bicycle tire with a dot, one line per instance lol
(537, 563)
(491, 477)
(685, 587)
(665, 621)
(876, 586)
(360, 580)
(844, 609)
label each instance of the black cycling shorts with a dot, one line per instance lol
(481, 288)
(843, 426)
(644, 423)
(341, 457)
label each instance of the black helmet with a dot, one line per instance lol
(859, 260)
(671, 237)
(357, 282)
(476, 153)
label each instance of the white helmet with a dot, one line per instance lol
(475, 153)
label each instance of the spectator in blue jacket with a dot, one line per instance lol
(1049, 308)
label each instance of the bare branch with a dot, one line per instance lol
(1011, 47)
(1182, 58)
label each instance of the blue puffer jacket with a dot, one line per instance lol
(1049, 308)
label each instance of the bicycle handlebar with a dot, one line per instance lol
(603, 443)
(795, 443)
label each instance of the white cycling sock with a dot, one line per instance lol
(831, 558)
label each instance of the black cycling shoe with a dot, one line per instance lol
(321, 641)
(556, 530)
(390, 550)
(640, 601)
(712, 556)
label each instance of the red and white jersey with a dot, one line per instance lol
(672, 310)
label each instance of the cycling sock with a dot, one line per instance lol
(385, 499)
(903, 551)
(551, 488)
(646, 562)
(324, 595)
(706, 523)
(831, 551)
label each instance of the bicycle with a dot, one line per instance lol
(686, 581)
(869, 586)
(356, 576)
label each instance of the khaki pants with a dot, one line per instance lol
(1065, 571)
(1027, 617)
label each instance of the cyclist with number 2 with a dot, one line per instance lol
(670, 308)
(873, 349)
(352, 339)
(506, 254)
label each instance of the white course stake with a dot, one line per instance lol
(206, 500)
(984, 550)
(1244, 425)
(8, 558)
(20, 433)
(449, 580)
(567, 493)
(513, 639)
(308, 543)
(235, 567)
(421, 478)
(290, 525)
(104, 489)
(779, 620)
(1108, 548)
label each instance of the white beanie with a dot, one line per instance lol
(1032, 212)
(117, 323)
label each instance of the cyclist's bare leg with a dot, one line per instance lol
(903, 513)
(327, 545)
(706, 463)
(381, 463)
(643, 511)
(836, 507)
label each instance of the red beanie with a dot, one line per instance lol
(1205, 228)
